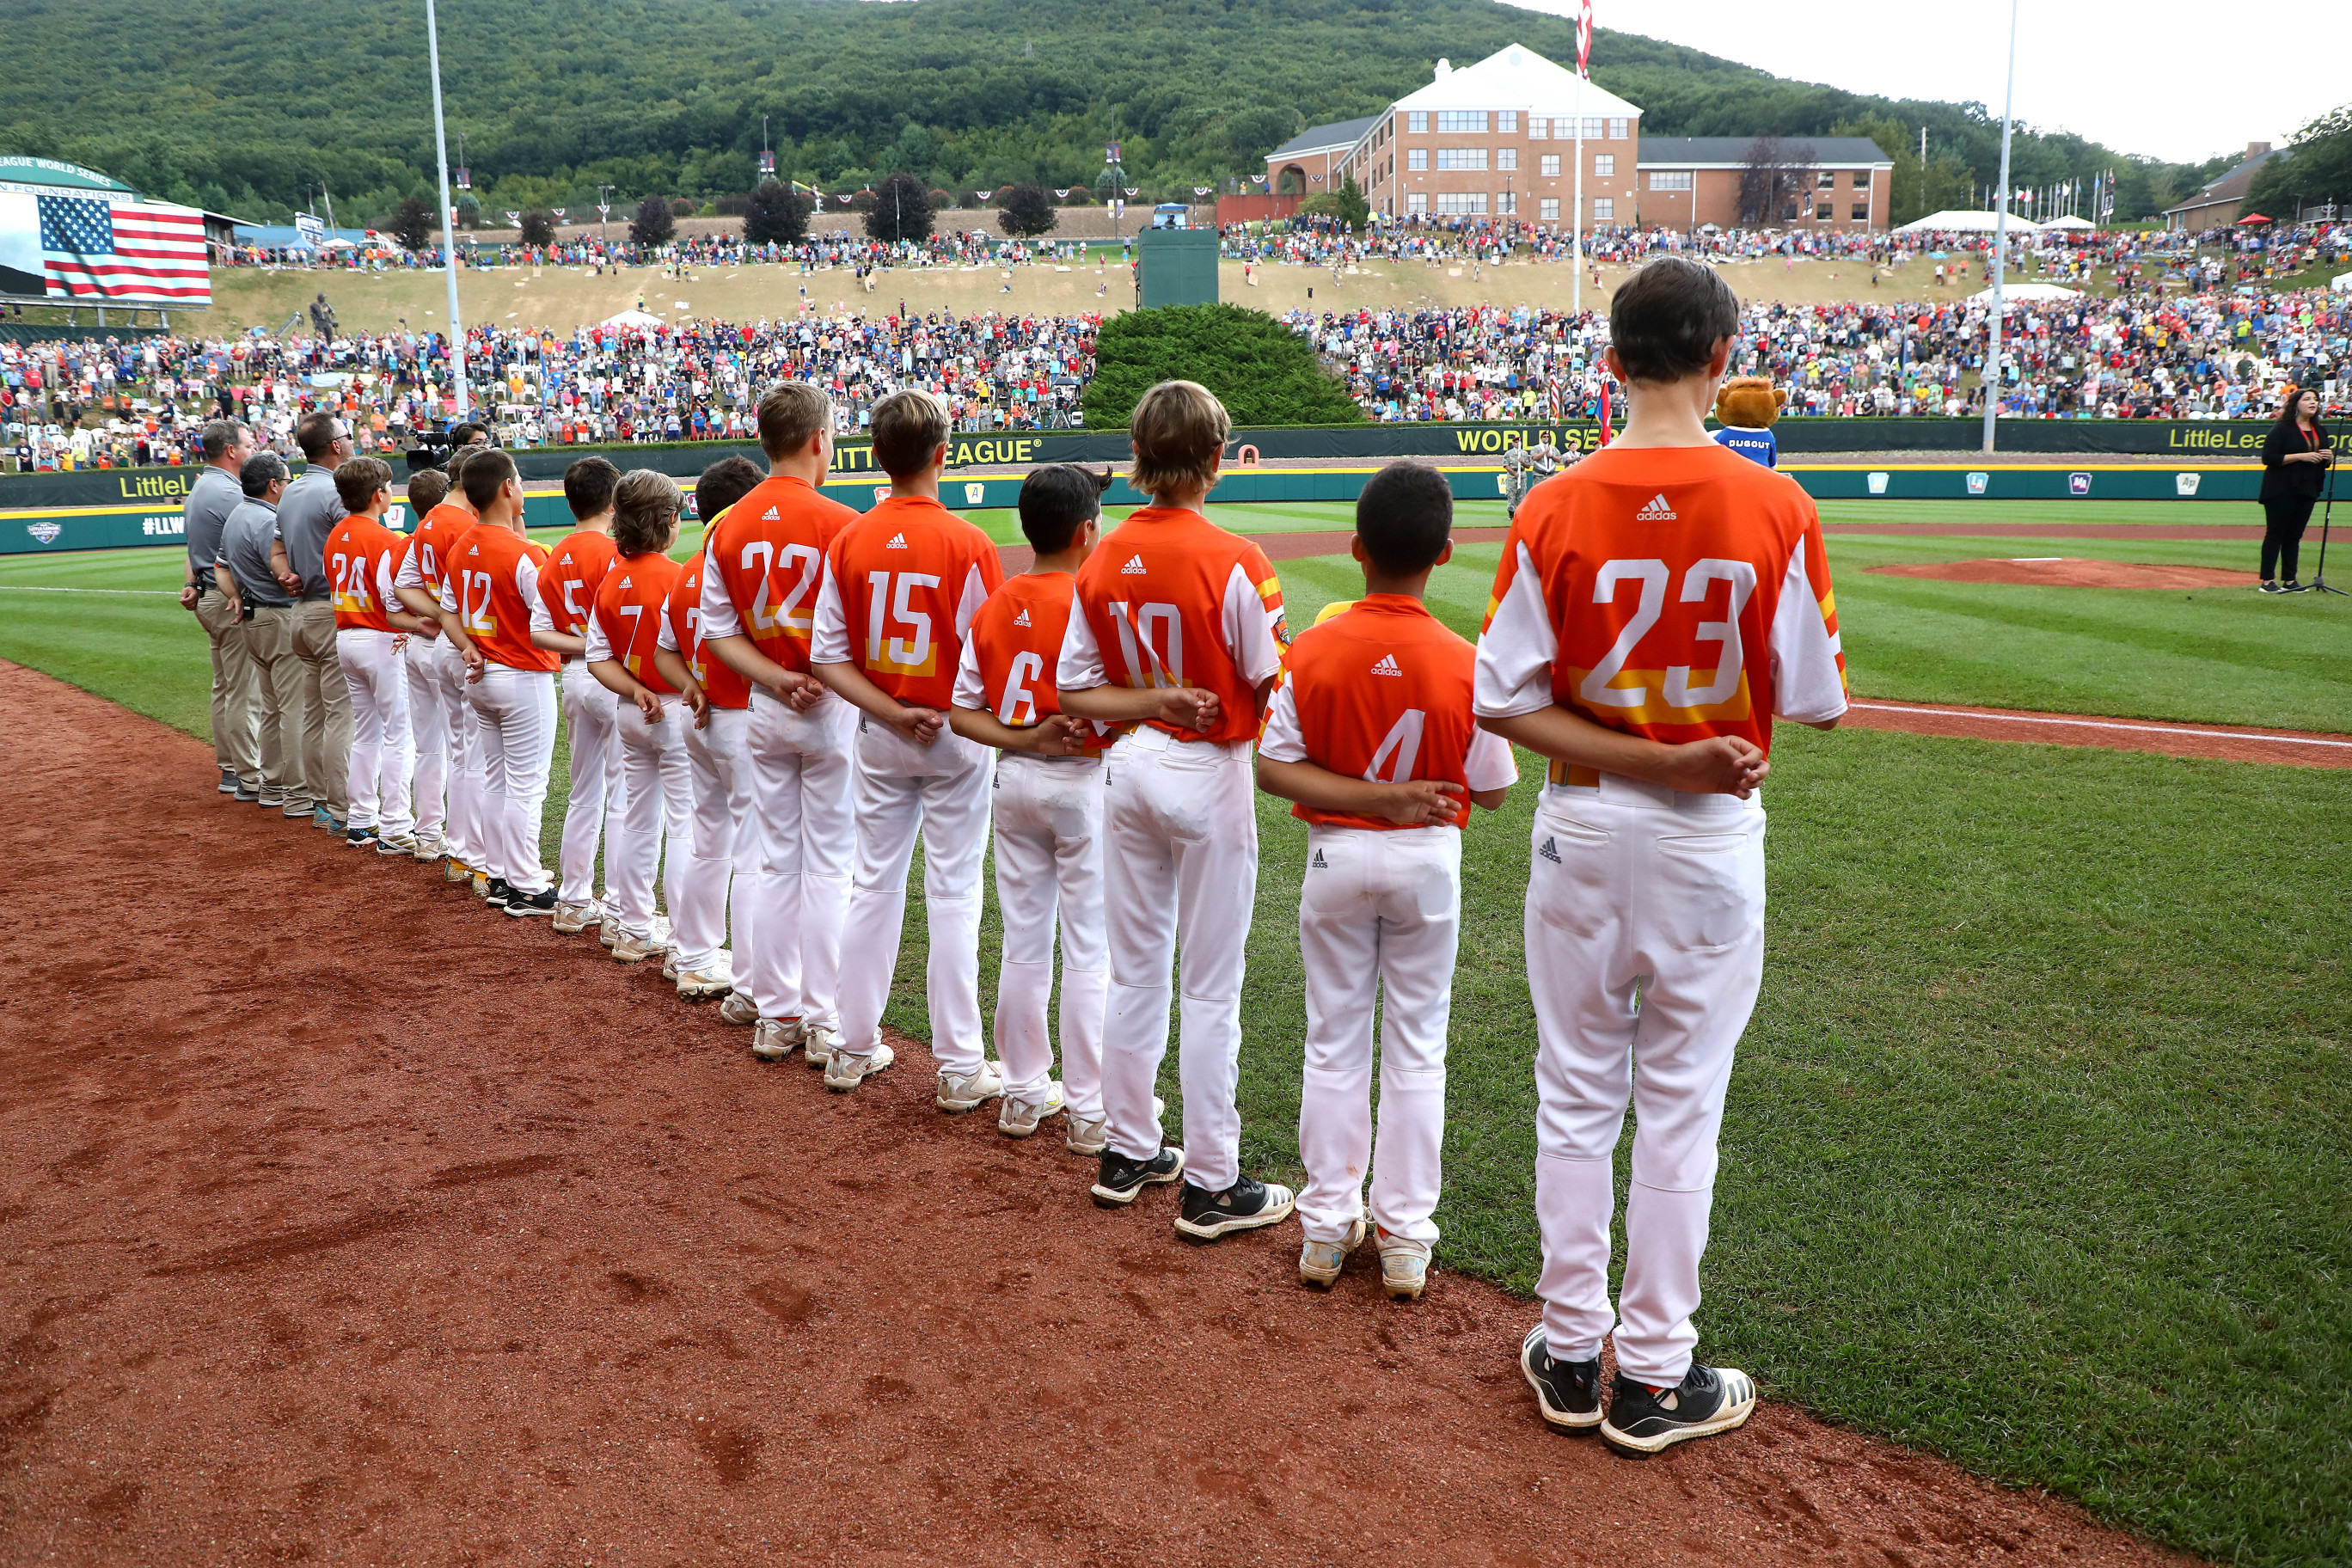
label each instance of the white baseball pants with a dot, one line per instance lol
(1645, 946)
(462, 831)
(941, 791)
(721, 782)
(514, 715)
(595, 799)
(1376, 909)
(1049, 869)
(376, 672)
(802, 832)
(1179, 865)
(660, 790)
(428, 732)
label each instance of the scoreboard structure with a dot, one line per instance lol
(1177, 266)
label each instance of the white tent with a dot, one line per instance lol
(1956, 221)
(2070, 222)
(2341, 282)
(632, 319)
(2028, 294)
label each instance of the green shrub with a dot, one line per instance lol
(1263, 372)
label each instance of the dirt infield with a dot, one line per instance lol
(2067, 571)
(344, 1221)
(2230, 743)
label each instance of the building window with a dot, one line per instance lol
(1604, 210)
(1604, 165)
(1539, 128)
(1461, 158)
(1416, 121)
(1826, 179)
(1462, 203)
(1593, 126)
(1862, 179)
(1507, 157)
(1506, 121)
(1506, 203)
(1619, 128)
(1548, 209)
(1548, 165)
(1416, 158)
(1415, 202)
(1461, 121)
(1670, 180)
(1861, 210)
(1823, 212)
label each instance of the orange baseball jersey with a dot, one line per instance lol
(430, 546)
(1010, 653)
(1170, 599)
(626, 625)
(681, 631)
(1381, 691)
(767, 554)
(1675, 592)
(901, 587)
(492, 584)
(575, 570)
(362, 555)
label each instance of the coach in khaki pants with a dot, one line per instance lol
(245, 578)
(307, 513)
(215, 494)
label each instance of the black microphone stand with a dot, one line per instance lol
(2319, 578)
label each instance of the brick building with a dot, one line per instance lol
(2222, 201)
(1497, 139)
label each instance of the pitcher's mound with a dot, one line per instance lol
(2064, 572)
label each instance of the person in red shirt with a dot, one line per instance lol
(489, 587)
(1370, 733)
(901, 585)
(371, 630)
(429, 736)
(1048, 811)
(558, 623)
(445, 725)
(1664, 590)
(765, 560)
(1177, 626)
(714, 754)
(624, 631)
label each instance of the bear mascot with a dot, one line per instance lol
(1746, 407)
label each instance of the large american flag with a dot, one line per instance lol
(95, 249)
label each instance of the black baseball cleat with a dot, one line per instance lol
(1568, 1393)
(1118, 1179)
(1247, 1204)
(361, 838)
(499, 893)
(1709, 1399)
(524, 905)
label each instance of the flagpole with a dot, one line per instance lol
(2000, 242)
(449, 218)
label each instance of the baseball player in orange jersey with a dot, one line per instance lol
(901, 585)
(558, 623)
(624, 630)
(441, 719)
(721, 776)
(1664, 588)
(765, 560)
(1048, 815)
(489, 589)
(420, 659)
(369, 632)
(1178, 624)
(1370, 733)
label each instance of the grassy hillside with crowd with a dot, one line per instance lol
(556, 98)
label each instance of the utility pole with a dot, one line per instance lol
(1991, 377)
(448, 217)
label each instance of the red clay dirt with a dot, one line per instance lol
(2227, 742)
(2068, 571)
(342, 1221)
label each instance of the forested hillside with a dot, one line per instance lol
(248, 110)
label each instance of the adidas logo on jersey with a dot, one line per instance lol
(1657, 511)
(899, 541)
(1022, 619)
(1318, 863)
(1134, 567)
(770, 516)
(1388, 666)
(624, 582)
(1550, 851)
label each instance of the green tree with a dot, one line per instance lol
(778, 215)
(1917, 189)
(411, 223)
(2317, 168)
(901, 210)
(1354, 209)
(1264, 373)
(1026, 210)
(538, 227)
(654, 222)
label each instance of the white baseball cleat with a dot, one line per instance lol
(1404, 1268)
(702, 985)
(1019, 1118)
(772, 1040)
(1319, 1262)
(571, 919)
(844, 1073)
(819, 1042)
(738, 1008)
(960, 1092)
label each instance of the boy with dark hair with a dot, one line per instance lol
(1049, 815)
(1665, 590)
(370, 627)
(1370, 733)
(438, 713)
(597, 795)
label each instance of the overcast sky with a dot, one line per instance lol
(2162, 78)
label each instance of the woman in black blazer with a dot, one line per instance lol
(2295, 459)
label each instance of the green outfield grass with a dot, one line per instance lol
(2036, 1150)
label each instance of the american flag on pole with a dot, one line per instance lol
(1584, 37)
(88, 247)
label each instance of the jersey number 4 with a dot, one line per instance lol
(1599, 686)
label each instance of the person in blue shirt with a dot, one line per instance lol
(1746, 408)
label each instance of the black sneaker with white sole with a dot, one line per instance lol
(1709, 1399)
(1247, 1204)
(1568, 1393)
(1118, 1180)
(524, 905)
(500, 890)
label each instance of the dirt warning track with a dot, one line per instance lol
(342, 1221)
(2227, 742)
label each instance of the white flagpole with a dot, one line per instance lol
(1991, 377)
(449, 218)
(1576, 223)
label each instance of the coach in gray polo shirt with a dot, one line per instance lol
(245, 573)
(226, 445)
(307, 513)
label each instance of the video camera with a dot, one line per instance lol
(431, 448)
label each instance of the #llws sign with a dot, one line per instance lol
(46, 532)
